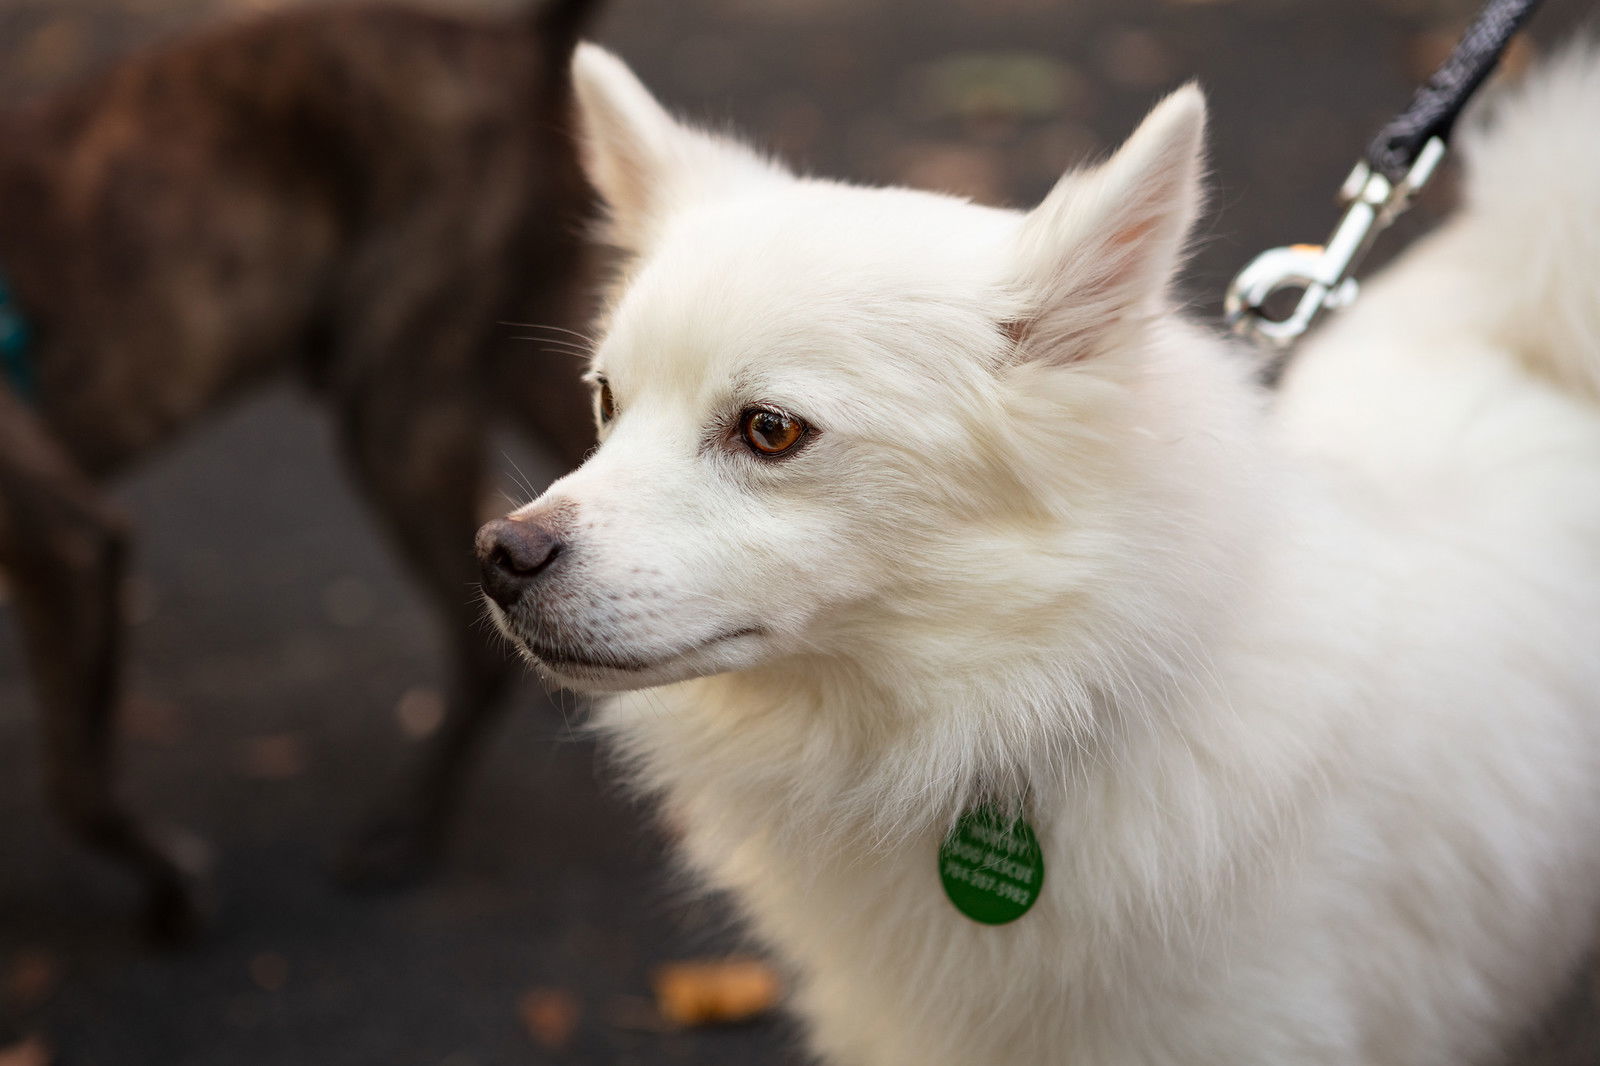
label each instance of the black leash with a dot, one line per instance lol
(1436, 106)
(1398, 163)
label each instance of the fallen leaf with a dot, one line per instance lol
(419, 712)
(270, 971)
(32, 1051)
(550, 1015)
(276, 757)
(32, 978)
(716, 993)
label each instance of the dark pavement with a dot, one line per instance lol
(282, 671)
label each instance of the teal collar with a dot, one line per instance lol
(16, 364)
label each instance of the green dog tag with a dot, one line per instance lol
(992, 868)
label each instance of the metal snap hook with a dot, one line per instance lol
(1324, 272)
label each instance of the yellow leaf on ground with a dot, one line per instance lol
(550, 1015)
(716, 993)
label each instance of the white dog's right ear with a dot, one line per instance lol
(643, 162)
(1097, 255)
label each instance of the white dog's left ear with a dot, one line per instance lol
(1102, 248)
(643, 162)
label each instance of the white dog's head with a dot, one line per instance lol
(830, 413)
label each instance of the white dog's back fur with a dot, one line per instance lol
(1302, 695)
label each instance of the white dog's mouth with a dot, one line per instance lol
(608, 660)
(602, 664)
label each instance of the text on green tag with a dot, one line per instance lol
(991, 866)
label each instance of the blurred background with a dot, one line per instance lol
(282, 670)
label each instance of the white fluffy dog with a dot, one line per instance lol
(908, 509)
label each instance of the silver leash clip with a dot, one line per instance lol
(1324, 274)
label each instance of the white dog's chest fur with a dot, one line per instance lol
(1356, 856)
(1303, 703)
(1363, 845)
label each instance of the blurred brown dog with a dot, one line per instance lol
(359, 193)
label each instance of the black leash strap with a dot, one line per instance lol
(1434, 109)
(1399, 162)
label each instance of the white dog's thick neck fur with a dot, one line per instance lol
(1301, 698)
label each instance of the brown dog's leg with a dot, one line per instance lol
(64, 550)
(417, 451)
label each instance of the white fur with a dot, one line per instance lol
(1302, 699)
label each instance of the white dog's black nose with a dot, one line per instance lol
(512, 552)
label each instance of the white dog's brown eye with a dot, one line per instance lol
(607, 403)
(770, 432)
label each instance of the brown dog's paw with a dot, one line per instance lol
(389, 853)
(180, 905)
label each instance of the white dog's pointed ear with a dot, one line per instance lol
(643, 162)
(1102, 248)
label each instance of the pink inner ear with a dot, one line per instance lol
(1122, 250)
(1102, 286)
(1135, 233)
(1121, 257)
